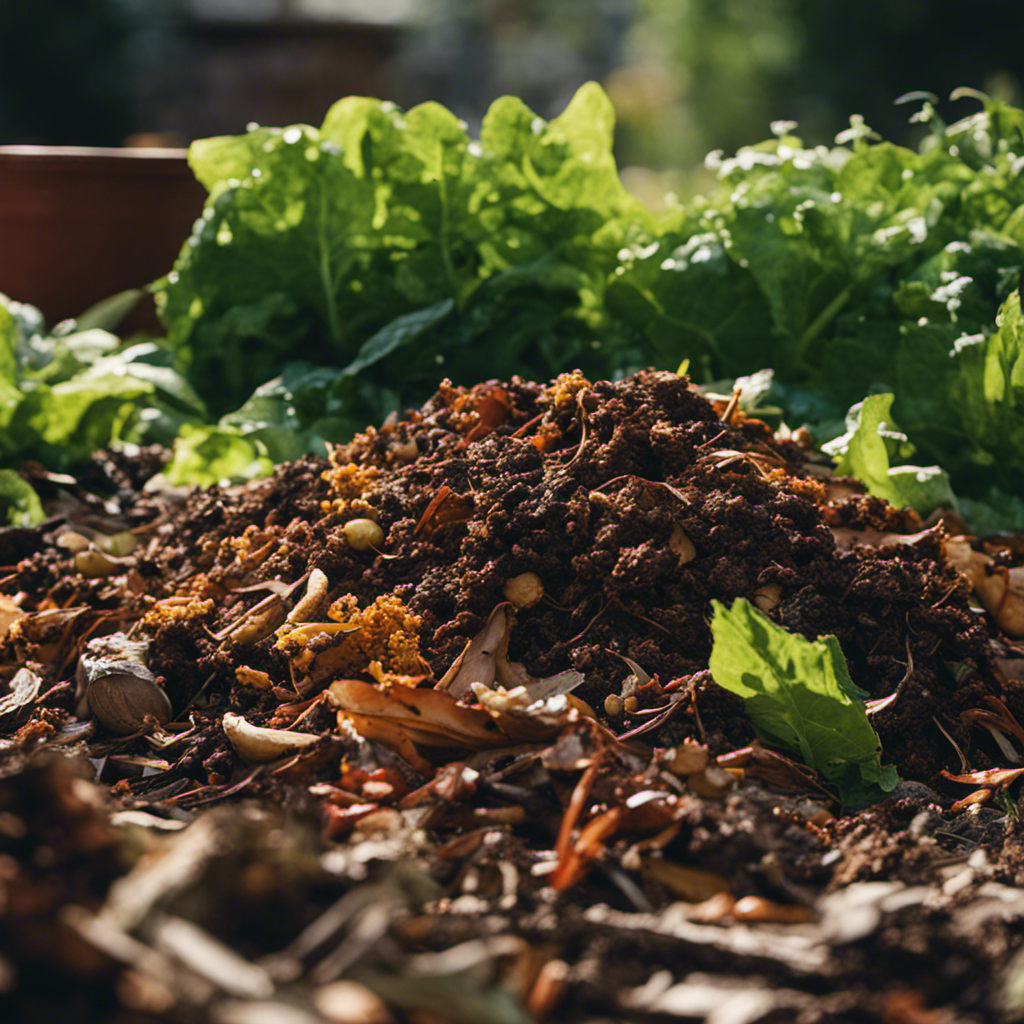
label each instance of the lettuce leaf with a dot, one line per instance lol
(384, 243)
(799, 695)
(209, 455)
(67, 393)
(865, 451)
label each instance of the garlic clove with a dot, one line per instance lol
(256, 744)
(681, 544)
(121, 697)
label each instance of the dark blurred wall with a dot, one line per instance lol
(686, 75)
(97, 72)
(64, 73)
(858, 57)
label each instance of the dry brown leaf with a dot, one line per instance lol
(429, 718)
(999, 589)
(523, 720)
(484, 662)
(994, 777)
(24, 688)
(476, 662)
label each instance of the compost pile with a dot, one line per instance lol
(427, 733)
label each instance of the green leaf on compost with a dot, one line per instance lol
(209, 455)
(799, 695)
(864, 452)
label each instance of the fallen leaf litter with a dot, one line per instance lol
(434, 721)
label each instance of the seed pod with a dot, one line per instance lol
(405, 451)
(121, 696)
(767, 597)
(712, 783)
(524, 590)
(681, 544)
(362, 534)
(613, 705)
(95, 563)
(688, 758)
(256, 744)
(72, 541)
(118, 544)
(693, 884)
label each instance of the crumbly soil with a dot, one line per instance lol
(638, 855)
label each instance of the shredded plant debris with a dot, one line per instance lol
(430, 732)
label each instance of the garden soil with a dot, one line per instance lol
(426, 733)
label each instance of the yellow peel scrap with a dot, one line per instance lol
(310, 631)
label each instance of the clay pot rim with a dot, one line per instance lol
(74, 159)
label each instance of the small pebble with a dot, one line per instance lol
(348, 1002)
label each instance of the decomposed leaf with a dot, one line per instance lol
(799, 695)
(430, 718)
(484, 662)
(476, 662)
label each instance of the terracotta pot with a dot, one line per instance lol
(80, 224)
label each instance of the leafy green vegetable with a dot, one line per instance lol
(65, 395)
(392, 243)
(300, 411)
(865, 451)
(210, 455)
(799, 694)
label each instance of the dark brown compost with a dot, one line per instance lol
(426, 733)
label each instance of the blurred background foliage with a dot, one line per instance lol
(686, 76)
